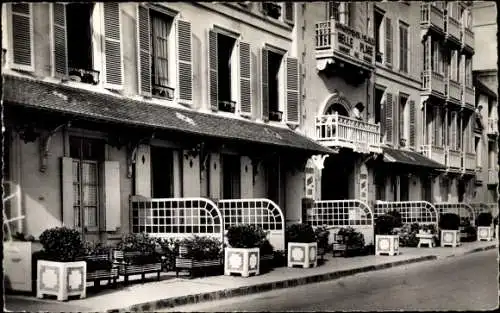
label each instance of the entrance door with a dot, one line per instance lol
(336, 176)
(162, 172)
(231, 174)
(404, 186)
(461, 190)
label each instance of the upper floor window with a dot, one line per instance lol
(454, 65)
(437, 58)
(453, 10)
(339, 11)
(402, 118)
(275, 61)
(283, 11)
(161, 80)
(403, 47)
(79, 36)
(379, 35)
(226, 66)
(468, 71)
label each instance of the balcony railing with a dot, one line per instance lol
(431, 16)
(453, 90)
(432, 81)
(469, 161)
(492, 126)
(467, 38)
(434, 153)
(469, 96)
(492, 176)
(452, 28)
(334, 38)
(453, 159)
(342, 131)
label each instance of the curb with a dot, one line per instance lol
(491, 247)
(246, 290)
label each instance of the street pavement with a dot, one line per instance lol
(468, 282)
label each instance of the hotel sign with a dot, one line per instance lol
(353, 43)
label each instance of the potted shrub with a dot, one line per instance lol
(18, 262)
(136, 254)
(99, 263)
(386, 239)
(198, 253)
(168, 250)
(484, 227)
(60, 271)
(449, 224)
(242, 256)
(348, 240)
(302, 245)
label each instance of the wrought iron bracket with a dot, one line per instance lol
(45, 145)
(319, 161)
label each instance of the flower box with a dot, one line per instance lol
(484, 233)
(191, 265)
(387, 244)
(84, 75)
(275, 116)
(244, 261)
(345, 249)
(18, 264)
(303, 254)
(136, 263)
(227, 106)
(450, 238)
(61, 279)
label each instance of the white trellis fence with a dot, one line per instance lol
(177, 218)
(336, 214)
(421, 212)
(463, 210)
(261, 212)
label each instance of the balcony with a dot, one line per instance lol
(492, 176)
(452, 29)
(345, 132)
(338, 42)
(469, 97)
(453, 91)
(433, 83)
(434, 153)
(453, 159)
(431, 17)
(469, 161)
(467, 39)
(492, 126)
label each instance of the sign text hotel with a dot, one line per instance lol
(353, 43)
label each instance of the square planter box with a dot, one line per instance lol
(18, 264)
(484, 233)
(387, 244)
(244, 261)
(61, 279)
(303, 254)
(450, 238)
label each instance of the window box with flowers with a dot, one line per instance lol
(348, 241)
(386, 238)
(198, 254)
(449, 226)
(484, 226)
(302, 246)
(242, 256)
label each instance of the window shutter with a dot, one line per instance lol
(59, 48)
(67, 192)
(143, 171)
(143, 50)
(212, 59)
(292, 90)
(454, 130)
(412, 123)
(289, 12)
(388, 41)
(185, 61)
(388, 118)
(112, 45)
(112, 199)
(22, 37)
(245, 79)
(265, 87)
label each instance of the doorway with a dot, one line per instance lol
(337, 177)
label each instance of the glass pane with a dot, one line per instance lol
(89, 195)
(91, 216)
(76, 195)
(89, 173)
(76, 171)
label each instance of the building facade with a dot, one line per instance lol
(105, 101)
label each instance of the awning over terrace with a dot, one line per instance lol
(117, 109)
(409, 158)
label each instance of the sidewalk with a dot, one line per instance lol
(171, 291)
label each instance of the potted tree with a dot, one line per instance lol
(302, 245)
(449, 225)
(386, 239)
(59, 271)
(348, 240)
(136, 255)
(484, 227)
(198, 253)
(18, 262)
(242, 256)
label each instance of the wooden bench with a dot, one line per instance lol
(126, 269)
(190, 265)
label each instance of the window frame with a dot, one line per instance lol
(403, 117)
(402, 50)
(380, 33)
(281, 80)
(9, 37)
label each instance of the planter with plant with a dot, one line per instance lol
(99, 263)
(322, 234)
(242, 256)
(136, 255)
(60, 271)
(198, 253)
(168, 250)
(347, 241)
(449, 225)
(18, 262)
(386, 238)
(484, 226)
(302, 245)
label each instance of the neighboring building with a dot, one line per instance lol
(107, 100)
